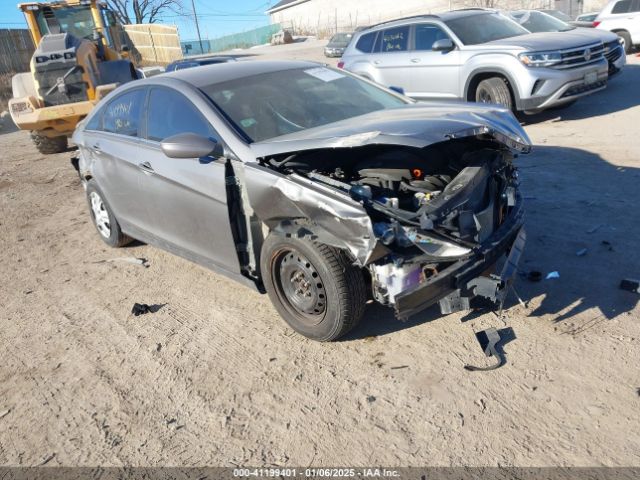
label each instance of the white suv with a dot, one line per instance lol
(621, 17)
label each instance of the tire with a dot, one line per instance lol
(494, 90)
(626, 38)
(103, 218)
(314, 287)
(49, 145)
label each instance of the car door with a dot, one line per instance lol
(634, 22)
(187, 196)
(391, 57)
(112, 143)
(433, 74)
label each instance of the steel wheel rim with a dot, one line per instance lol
(100, 215)
(299, 286)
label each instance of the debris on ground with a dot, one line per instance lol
(143, 262)
(607, 244)
(488, 340)
(596, 228)
(581, 253)
(630, 285)
(46, 460)
(399, 367)
(552, 275)
(142, 308)
(4, 413)
(533, 275)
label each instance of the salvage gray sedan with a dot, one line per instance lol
(314, 185)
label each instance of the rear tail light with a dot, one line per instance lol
(340, 64)
(596, 23)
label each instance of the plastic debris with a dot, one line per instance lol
(488, 339)
(552, 275)
(581, 253)
(142, 308)
(133, 260)
(631, 285)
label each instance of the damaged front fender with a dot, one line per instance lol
(294, 205)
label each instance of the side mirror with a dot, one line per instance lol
(443, 45)
(399, 90)
(190, 145)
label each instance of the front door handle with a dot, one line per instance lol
(96, 148)
(376, 62)
(415, 60)
(146, 167)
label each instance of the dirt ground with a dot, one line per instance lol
(215, 378)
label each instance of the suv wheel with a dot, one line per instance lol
(315, 288)
(494, 90)
(626, 41)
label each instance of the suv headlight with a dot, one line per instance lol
(541, 59)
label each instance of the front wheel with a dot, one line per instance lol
(49, 145)
(314, 287)
(494, 90)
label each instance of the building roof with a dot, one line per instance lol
(283, 4)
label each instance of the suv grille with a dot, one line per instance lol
(613, 51)
(579, 57)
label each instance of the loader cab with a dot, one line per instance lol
(84, 19)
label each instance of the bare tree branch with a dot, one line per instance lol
(143, 11)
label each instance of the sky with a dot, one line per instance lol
(216, 18)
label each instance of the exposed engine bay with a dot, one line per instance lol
(429, 207)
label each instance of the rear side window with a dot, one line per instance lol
(427, 35)
(635, 6)
(623, 6)
(171, 113)
(122, 115)
(393, 40)
(365, 43)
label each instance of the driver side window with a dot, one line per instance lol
(171, 113)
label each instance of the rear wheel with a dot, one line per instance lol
(626, 41)
(314, 287)
(49, 145)
(494, 90)
(103, 218)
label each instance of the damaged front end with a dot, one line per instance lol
(428, 222)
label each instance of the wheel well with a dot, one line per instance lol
(475, 81)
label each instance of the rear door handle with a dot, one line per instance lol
(376, 62)
(146, 167)
(96, 148)
(415, 60)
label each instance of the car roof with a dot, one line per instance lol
(452, 15)
(223, 72)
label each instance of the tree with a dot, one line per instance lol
(143, 11)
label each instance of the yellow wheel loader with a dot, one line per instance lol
(80, 57)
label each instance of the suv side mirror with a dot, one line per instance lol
(443, 45)
(190, 145)
(399, 90)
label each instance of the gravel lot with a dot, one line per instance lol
(214, 377)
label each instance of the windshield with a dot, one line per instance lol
(540, 22)
(77, 21)
(341, 39)
(271, 104)
(484, 27)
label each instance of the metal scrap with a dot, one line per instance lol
(631, 285)
(488, 340)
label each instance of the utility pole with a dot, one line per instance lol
(195, 16)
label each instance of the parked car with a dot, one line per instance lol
(536, 22)
(317, 193)
(585, 20)
(557, 14)
(478, 55)
(147, 72)
(623, 18)
(337, 44)
(197, 62)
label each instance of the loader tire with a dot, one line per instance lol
(49, 145)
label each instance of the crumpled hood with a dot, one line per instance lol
(545, 41)
(416, 125)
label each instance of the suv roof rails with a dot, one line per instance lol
(424, 15)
